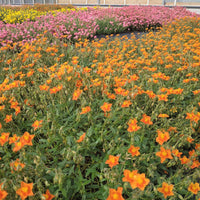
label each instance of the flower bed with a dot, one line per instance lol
(86, 24)
(18, 14)
(102, 119)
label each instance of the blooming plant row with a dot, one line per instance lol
(102, 119)
(14, 16)
(87, 24)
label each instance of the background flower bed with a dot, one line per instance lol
(79, 120)
(18, 14)
(86, 24)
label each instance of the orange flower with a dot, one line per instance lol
(3, 193)
(112, 161)
(111, 96)
(162, 97)
(164, 154)
(150, 94)
(163, 115)
(16, 165)
(135, 179)
(162, 137)
(190, 140)
(55, 89)
(4, 138)
(8, 118)
(130, 177)
(141, 181)
(192, 153)
(48, 195)
(17, 110)
(2, 107)
(197, 146)
(18, 146)
(85, 110)
(115, 194)
(13, 139)
(146, 119)
(106, 107)
(30, 73)
(126, 104)
(195, 164)
(196, 91)
(172, 129)
(193, 117)
(81, 138)
(25, 190)
(26, 139)
(14, 104)
(79, 83)
(176, 153)
(134, 150)
(134, 77)
(37, 124)
(166, 189)
(184, 160)
(133, 125)
(0, 125)
(44, 87)
(76, 94)
(194, 188)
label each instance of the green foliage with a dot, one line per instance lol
(77, 170)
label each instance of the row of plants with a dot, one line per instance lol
(102, 119)
(88, 23)
(16, 15)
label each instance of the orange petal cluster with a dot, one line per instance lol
(37, 124)
(115, 194)
(135, 179)
(164, 154)
(81, 138)
(3, 193)
(25, 139)
(112, 161)
(162, 137)
(166, 189)
(4, 138)
(133, 125)
(85, 110)
(134, 150)
(106, 107)
(25, 190)
(17, 165)
(48, 195)
(194, 188)
(146, 119)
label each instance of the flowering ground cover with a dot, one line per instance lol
(18, 14)
(102, 119)
(84, 23)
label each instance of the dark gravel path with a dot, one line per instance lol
(137, 34)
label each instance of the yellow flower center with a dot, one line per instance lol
(131, 175)
(16, 164)
(140, 180)
(166, 189)
(164, 153)
(162, 136)
(112, 160)
(24, 189)
(3, 137)
(26, 138)
(115, 196)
